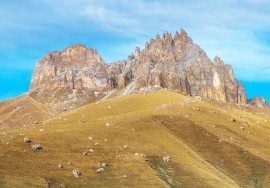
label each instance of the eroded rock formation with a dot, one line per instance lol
(76, 67)
(173, 62)
(258, 102)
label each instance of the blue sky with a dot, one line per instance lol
(236, 30)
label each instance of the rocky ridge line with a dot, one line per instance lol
(173, 62)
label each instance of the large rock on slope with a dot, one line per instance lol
(170, 62)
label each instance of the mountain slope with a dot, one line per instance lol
(21, 111)
(206, 149)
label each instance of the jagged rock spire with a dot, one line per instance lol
(218, 61)
(183, 32)
(176, 36)
(158, 37)
(137, 53)
(167, 39)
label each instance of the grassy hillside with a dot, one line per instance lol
(206, 148)
(21, 111)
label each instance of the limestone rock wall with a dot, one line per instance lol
(168, 61)
(76, 67)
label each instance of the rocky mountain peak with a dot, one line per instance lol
(176, 36)
(183, 32)
(158, 37)
(168, 62)
(218, 61)
(258, 101)
(76, 67)
(178, 63)
(167, 40)
(137, 53)
(184, 36)
(81, 55)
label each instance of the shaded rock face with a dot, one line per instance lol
(258, 102)
(173, 62)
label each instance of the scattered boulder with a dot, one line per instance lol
(49, 182)
(91, 150)
(90, 138)
(245, 123)
(82, 121)
(108, 124)
(233, 140)
(60, 166)
(125, 146)
(242, 128)
(26, 140)
(99, 170)
(166, 158)
(85, 153)
(37, 147)
(232, 120)
(76, 173)
(139, 154)
(105, 164)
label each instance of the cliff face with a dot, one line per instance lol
(76, 67)
(178, 63)
(170, 62)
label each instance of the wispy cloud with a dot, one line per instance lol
(231, 29)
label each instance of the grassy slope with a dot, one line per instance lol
(158, 124)
(23, 109)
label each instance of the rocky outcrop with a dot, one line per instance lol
(258, 102)
(177, 63)
(76, 67)
(173, 62)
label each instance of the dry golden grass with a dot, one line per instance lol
(196, 134)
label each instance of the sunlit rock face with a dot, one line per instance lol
(173, 62)
(177, 63)
(76, 67)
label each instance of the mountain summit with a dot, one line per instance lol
(172, 62)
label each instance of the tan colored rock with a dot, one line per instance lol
(76, 67)
(180, 64)
(258, 102)
(169, 62)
